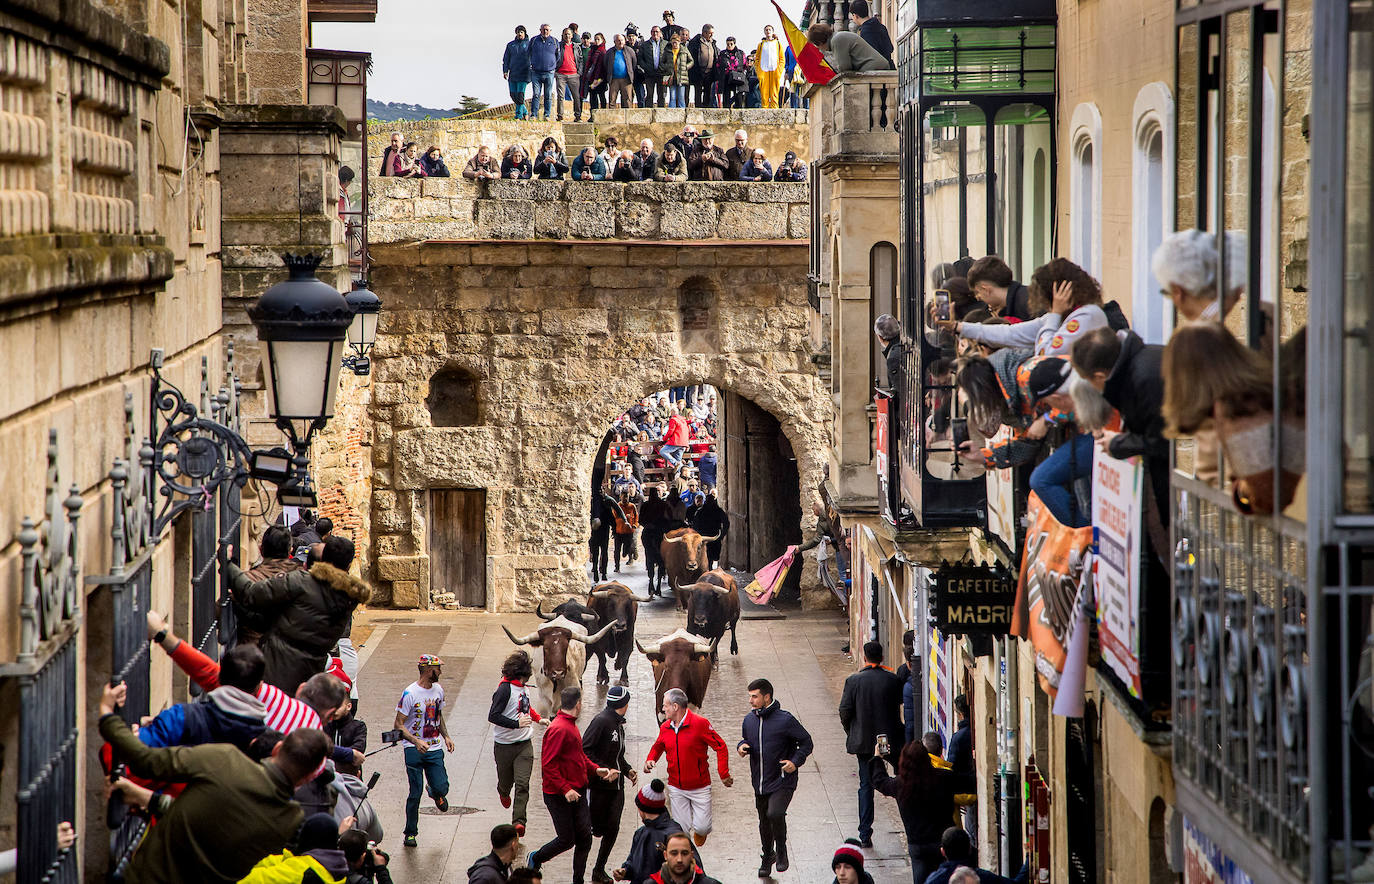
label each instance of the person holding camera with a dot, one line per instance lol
(366, 862)
(871, 715)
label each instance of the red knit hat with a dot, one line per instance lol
(652, 798)
(849, 854)
(335, 668)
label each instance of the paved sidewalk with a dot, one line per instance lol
(799, 654)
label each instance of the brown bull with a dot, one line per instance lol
(685, 559)
(680, 660)
(712, 606)
(615, 604)
(559, 658)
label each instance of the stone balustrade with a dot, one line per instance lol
(855, 116)
(416, 210)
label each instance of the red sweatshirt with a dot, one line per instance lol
(561, 760)
(686, 746)
(677, 431)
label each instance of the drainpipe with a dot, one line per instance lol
(1009, 771)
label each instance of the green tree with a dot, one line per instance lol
(469, 104)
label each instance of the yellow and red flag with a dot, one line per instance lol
(809, 58)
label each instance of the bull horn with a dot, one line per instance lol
(723, 590)
(539, 609)
(601, 593)
(673, 539)
(717, 536)
(590, 618)
(645, 651)
(520, 641)
(595, 637)
(638, 599)
(677, 587)
(700, 648)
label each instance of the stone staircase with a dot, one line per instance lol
(579, 136)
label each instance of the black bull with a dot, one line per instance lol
(615, 604)
(712, 606)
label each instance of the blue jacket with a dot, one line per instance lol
(960, 751)
(598, 169)
(773, 735)
(707, 468)
(516, 61)
(226, 715)
(543, 54)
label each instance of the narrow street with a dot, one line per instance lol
(800, 653)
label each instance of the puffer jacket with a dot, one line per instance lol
(773, 735)
(312, 611)
(286, 867)
(226, 715)
(676, 70)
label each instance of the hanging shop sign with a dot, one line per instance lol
(1052, 578)
(1116, 580)
(882, 455)
(973, 600)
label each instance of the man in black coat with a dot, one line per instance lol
(776, 745)
(604, 742)
(709, 520)
(870, 707)
(602, 521)
(653, 517)
(873, 31)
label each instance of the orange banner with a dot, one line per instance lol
(1051, 578)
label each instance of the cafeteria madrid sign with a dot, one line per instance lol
(970, 599)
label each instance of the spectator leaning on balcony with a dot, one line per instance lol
(758, 168)
(389, 153)
(516, 165)
(993, 284)
(550, 164)
(588, 166)
(406, 164)
(515, 68)
(621, 71)
(707, 162)
(846, 51)
(686, 142)
(889, 332)
(627, 168)
(482, 165)
(792, 169)
(672, 165)
(1075, 309)
(433, 163)
(873, 31)
(648, 160)
(738, 155)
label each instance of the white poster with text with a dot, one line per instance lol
(1117, 505)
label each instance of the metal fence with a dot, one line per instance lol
(1241, 671)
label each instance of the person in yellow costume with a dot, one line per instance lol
(768, 64)
(318, 846)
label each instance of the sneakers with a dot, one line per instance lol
(408, 841)
(532, 860)
(866, 842)
(520, 829)
(441, 802)
(505, 800)
(782, 858)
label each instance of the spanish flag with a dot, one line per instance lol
(812, 63)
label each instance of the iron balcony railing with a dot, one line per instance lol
(1241, 671)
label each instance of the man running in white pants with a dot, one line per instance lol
(685, 737)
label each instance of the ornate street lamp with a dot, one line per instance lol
(362, 332)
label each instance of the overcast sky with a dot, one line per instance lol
(430, 52)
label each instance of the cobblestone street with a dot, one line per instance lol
(800, 653)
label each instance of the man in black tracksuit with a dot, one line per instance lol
(604, 743)
(653, 518)
(776, 745)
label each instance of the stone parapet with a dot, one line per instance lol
(415, 210)
(856, 117)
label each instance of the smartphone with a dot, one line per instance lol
(958, 428)
(942, 304)
(389, 737)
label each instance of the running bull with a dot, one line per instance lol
(559, 658)
(685, 559)
(712, 607)
(615, 604)
(680, 660)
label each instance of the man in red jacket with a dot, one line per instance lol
(686, 737)
(675, 440)
(565, 768)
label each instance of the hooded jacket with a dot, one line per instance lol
(488, 870)
(774, 735)
(516, 62)
(646, 847)
(604, 743)
(686, 747)
(226, 715)
(312, 611)
(329, 866)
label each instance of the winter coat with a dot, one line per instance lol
(796, 173)
(646, 848)
(730, 61)
(631, 63)
(710, 519)
(960, 751)
(551, 168)
(706, 466)
(698, 876)
(648, 70)
(225, 715)
(488, 870)
(737, 157)
(850, 52)
(773, 735)
(578, 57)
(753, 172)
(648, 166)
(671, 170)
(683, 146)
(1018, 302)
(871, 705)
(313, 610)
(704, 54)
(544, 56)
(676, 67)
(190, 842)
(677, 431)
(1013, 369)
(435, 168)
(516, 62)
(594, 69)
(708, 165)
(604, 743)
(473, 167)
(350, 732)
(630, 170)
(1135, 388)
(562, 763)
(946, 869)
(875, 34)
(523, 167)
(926, 813)
(598, 169)
(328, 866)
(687, 748)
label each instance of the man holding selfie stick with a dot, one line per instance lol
(871, 714)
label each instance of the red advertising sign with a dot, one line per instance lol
(882, 462)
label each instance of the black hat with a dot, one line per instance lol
(617, 696)
(1049, 377)
(791, 155)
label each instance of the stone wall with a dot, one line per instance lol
(775, 130)
(409, 209)
(559, 338)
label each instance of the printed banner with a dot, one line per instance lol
(1204, 862)
(1051, 579)
(1002, 497)
(1117, 510)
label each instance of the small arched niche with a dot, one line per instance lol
(698, 300)
(454, 398)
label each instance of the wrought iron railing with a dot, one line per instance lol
(1240, 658)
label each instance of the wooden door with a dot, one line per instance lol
(458, 544)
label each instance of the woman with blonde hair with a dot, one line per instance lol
(768, 64)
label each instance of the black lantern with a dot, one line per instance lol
(302, 324)
(362, 332)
